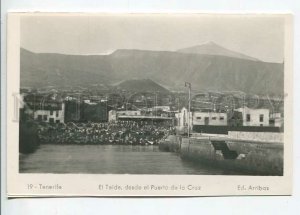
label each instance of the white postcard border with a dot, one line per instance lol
(90, 184)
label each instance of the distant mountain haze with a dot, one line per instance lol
(207, 68)
(211, 48)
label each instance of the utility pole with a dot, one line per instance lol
(155, 104)
(189, 85)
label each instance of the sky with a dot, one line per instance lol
(260, 37)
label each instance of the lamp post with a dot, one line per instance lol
(189, 85)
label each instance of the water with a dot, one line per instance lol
(108, 159)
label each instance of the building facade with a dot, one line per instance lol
(255, 117)
(51, 116)
(44, 107)
(209, 118)
(200, 118)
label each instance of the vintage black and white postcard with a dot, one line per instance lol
(149, 104)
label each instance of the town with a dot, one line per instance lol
(125, 116)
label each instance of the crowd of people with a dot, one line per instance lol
(119, 132)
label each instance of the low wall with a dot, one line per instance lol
(256, 136)
(212, 129)
(206, 135)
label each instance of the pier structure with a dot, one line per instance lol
(250, 157)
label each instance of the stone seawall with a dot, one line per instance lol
(272, 137)
(249, 158)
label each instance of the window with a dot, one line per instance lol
(57, 113)
(261, 118)
(198, 117)
(51, 112)
(51, 120)
(214, 118)
(248, 118)
(45, 117)
(221, 117)
(40, 117)
(57, 121)
(206, 120)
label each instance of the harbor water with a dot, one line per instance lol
(109, 159)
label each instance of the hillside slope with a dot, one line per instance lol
(170, 69)
(141, 85)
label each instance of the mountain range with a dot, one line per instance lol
(206, 67)
(212, 48)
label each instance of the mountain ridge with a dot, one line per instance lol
(140, 85)
(169, 69)
(212, 48)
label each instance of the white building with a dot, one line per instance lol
(182, 118)
(200, 118)
(52, 116)
(113, 114)
(255, 117)
(209, 118)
